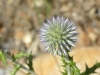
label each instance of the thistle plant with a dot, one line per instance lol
(58, 36)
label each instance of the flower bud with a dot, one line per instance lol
(58, 35)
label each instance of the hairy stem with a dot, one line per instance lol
(68, 66)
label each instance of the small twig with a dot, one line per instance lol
(9, 57)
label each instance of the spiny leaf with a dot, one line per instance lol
(19, 55)
(91, 70)
(16, 68)
(30, 62)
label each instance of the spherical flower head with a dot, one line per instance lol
(58, 35)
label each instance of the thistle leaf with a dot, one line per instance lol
(30, 64)
(16, 68)
(92, 69)
(20, 55)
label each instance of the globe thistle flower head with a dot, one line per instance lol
(58, 35)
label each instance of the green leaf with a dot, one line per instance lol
(2, 57)
(91, 70)
(19, 55)
(16, 68)
(30, 58)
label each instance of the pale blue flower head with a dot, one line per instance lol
(58, 35)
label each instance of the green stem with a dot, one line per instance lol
(9, 57)
(68, 66)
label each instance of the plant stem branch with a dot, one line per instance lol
(9, 57)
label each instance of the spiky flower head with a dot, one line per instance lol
(58, 35)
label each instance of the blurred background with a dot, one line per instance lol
(20, 21)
